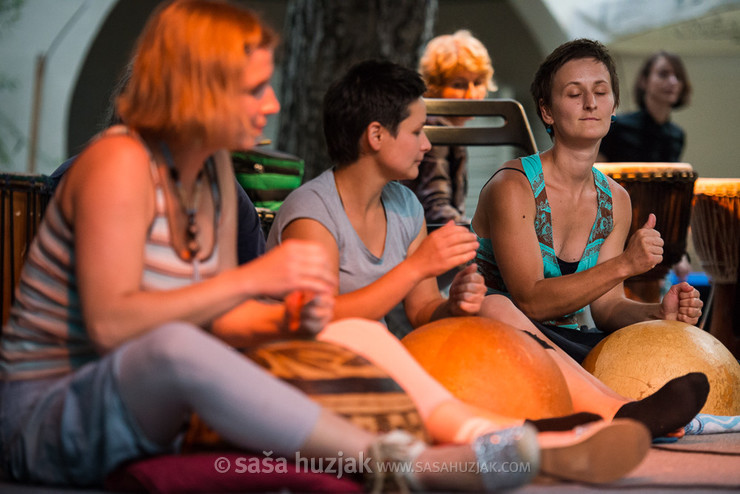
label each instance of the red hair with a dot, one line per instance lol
(187, 69)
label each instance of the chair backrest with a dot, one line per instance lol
(515, 130)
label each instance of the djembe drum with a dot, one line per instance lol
(23, 199)
(665, 189)
(715, 231)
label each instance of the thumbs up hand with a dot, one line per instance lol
(645, 247)
(650, 223)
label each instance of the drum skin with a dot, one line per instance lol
(638, 359)
(491, 365)
(337, 379)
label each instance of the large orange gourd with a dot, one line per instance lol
(491, 365)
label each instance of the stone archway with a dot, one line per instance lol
(103, 65)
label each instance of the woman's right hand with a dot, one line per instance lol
(293, 265)
(307, 313)
(445, 248)
(645, 248)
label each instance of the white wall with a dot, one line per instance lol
(712, 120)
(33, 34)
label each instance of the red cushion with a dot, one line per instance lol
(198, 472)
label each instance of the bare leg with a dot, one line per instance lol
(668, 409)
(446, 418)
(586, 391)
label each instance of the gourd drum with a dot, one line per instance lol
(715, 231)
(23, 199)
(665, 189)
(638, 359)
(491, 365)
(337, 379)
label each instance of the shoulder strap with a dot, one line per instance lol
(509, 168)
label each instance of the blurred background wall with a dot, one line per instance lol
(86, 45)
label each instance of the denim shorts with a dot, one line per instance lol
(72, 429)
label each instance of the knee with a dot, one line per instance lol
(175, 348)
(354, 329)
(502, 309)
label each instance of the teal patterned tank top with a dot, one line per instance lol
(601, 229)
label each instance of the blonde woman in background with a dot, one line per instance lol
(454, 66)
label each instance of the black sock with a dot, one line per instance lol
(564, 423)
(671, 407)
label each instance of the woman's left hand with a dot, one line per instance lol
(467, 292)
(682, 303)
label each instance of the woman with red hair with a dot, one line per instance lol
(114, 337)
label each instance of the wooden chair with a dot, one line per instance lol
(515, 130)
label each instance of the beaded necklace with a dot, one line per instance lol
(192, 243)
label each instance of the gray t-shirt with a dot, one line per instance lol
(319, 200)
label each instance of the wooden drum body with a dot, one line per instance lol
(715, 231)
(334, 377)
(23, 199)
(665, 189)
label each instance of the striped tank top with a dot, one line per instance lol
(602, 227)
(45, 334)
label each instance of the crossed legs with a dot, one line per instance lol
(177, 369)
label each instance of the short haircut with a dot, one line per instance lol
(186, 70)
(541, 87)
(681, 74)
(445, 54)
(371, 91)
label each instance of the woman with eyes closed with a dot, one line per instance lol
(552, 228)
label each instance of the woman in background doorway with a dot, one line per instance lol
(648, 135)
(454, 66)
